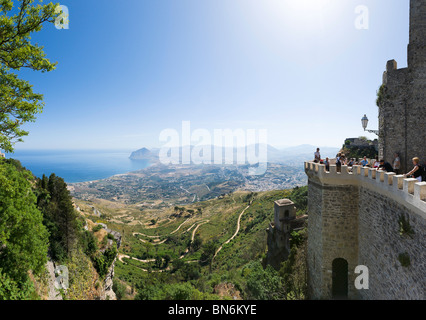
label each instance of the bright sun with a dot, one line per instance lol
(307, 5)
(308, 13)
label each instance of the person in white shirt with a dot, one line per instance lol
(317, 156)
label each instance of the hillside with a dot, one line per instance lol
(211, 249)
(40, 229)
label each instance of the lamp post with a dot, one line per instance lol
(364, 122)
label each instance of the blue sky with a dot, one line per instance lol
(129, 69)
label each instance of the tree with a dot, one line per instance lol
(11, 290)
(207, 255)
(263, 284)
(18, 103)
(23, 237)
(59, 216)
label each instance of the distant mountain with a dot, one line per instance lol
(308, 150)
(290, 155)
(144, 154)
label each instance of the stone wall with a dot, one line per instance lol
(380, 244)
(339, 233)
(402, 110)
(355, 214)
(314, 254)
(332, 233)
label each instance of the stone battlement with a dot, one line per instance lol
(406, 191)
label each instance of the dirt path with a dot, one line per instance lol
(135, 233)
(193, 236)
(180, 225)
(236, 231)
(121, 256)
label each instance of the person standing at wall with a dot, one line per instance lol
(376, 163)
(396, 163)
(338, 162)
(417, 170)
(317, 156)
(327, 164)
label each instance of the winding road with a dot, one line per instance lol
(236, 231)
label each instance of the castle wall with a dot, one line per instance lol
(402, 112)
(393, 118)
(340, 234)
(380, 244)
(332, 233)
(355, 216)
(314, 254)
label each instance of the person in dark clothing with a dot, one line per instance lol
(385, 166)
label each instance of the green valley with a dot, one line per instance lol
(213, 249)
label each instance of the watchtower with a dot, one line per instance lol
(284, 213)
(402, 103)
(280, 232)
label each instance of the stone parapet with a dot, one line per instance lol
(406, 191)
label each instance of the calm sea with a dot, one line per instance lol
(78, 166)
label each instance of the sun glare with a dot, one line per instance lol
(307, 13)
(306, 5)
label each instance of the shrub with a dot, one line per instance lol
(404, 259)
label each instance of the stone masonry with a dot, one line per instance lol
(402, 109)
(356, 216)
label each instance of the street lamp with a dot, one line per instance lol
(364, 122)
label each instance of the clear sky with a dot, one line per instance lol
(129, 69)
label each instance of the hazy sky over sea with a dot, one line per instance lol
(129, 69)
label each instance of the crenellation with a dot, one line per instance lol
(420, 190)
(408, 185)
(398, 181)
(372, 173)
(388, 181)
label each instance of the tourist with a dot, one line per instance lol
(376, 163)
(364, 162)
(317, 156)
(385, 166)
(327, 164)
(396, 163)
(417, 170)
(338, 162)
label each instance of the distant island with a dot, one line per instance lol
(144, 154)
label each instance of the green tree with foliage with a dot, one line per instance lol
(18, 103)
(23, 237)
(208, 252)
(263, 284)
(59, 215)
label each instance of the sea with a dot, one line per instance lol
(78, 165)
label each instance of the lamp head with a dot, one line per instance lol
(364, 121)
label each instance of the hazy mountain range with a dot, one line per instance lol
(291, 155)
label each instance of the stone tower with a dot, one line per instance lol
(279, 233)
(402, 107)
